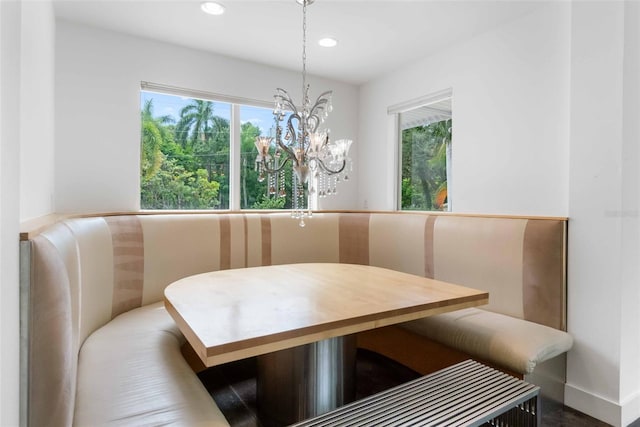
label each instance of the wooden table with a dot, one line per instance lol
(234, 314)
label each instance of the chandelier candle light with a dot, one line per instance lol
(318, 163)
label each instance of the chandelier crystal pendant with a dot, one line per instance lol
(318, 163)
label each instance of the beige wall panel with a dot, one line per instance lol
(253, 240)
(482, 253)
(93, 238)
(176, 246)
(397, 242)
(318, 241)
(237, 241)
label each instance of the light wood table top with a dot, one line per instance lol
(233, 314)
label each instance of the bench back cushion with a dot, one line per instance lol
(86, 271)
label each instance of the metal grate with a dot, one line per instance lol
(466, 394)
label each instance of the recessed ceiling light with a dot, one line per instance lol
(328, 42)
(212, 8)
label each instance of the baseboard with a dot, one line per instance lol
(631, 411)
(595, 406)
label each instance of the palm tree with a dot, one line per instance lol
(154, 133)
(207, 138)
(196, 123)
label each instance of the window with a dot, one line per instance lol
(188, 160)
(425, 129)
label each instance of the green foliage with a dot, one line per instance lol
(204, 137)
(174, 187)
(267, 202)
(185, 165)
(151, 158)
(171, 176)
(253, 193)
(154, 133)
(424, 165)
(250, 188)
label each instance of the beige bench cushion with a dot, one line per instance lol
(515, 344)
(131, 372)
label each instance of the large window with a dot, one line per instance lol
(191, 149)
(425, 155)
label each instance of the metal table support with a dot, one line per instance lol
(302, 382)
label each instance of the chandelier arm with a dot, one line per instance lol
(316, 111)
(278, 169)
(312, 123)
(289, 151)
(284, 96)
(322, 100)
(318, 107)
(292, 130)
(324, 97)
(329, 170)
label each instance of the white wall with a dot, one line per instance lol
(595, 207)
(630, 319)
(510, 118)
(9, 211)
(545, 121)
(603, 376)
(26, 163)
(9, 135)
(98, 75)
(37, 111)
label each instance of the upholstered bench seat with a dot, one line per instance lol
(513, 343)
(131, 372)
(103, 351)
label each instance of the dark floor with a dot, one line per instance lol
(233, 387)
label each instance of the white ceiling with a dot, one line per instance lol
(374, 36)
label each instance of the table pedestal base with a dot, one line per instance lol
(301, 382)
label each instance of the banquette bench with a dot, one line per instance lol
(102, 350)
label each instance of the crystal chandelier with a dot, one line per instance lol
(318, 163)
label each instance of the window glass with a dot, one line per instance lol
(425, 169)
(269, 190)
(185, 153)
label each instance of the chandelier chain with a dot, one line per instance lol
(304, 49)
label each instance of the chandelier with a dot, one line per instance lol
(318, 162)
